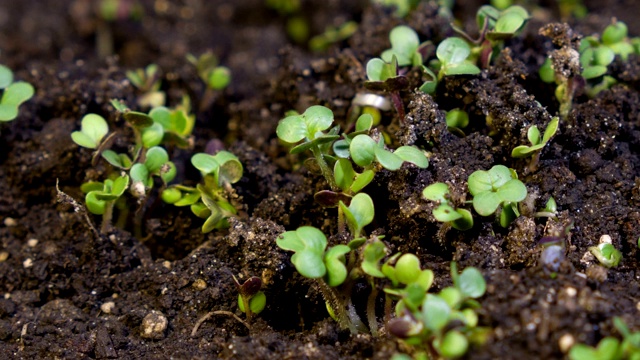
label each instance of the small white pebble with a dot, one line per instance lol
(108, 307)
(32, 242)
(9, 222)
(167, 264)
(565, 342)
(27, 263)
(605, 239)
(572, 291)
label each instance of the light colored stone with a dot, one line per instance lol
(565, 342)
(108, 307)
(154, 325)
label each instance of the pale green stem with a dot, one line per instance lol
(324, 168)
(106, 217)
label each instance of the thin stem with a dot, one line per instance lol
(324, 168)
(106, 217)
(371, 310)
(343, 309)
(200, 321)
(247, 309)
(398, 105)
(341, 220)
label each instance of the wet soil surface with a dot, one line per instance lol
(67, 293)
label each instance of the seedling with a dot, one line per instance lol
(251, 300)
(384, 76)
(405, 46)
(93, 129)
(364, 151)
(138, 121)
(453, 54)
(495, 26)
(460, 219)
(402, 7)
(208, 200)
(13, 94)
(216, 78)
(457, 118)
(606, 254)
(156, 163)
(610, 347)
(313, 261)
(537, 143)
(441, 325)
(333, 35)
(497, 187)
(550, 209)
(308, 127)
(148, 81)
(101, 197)
(171, 126)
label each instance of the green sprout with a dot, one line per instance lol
(308, 127)
(497, 187)
(441, 325)
(537, 142)
(171, 126)
(311, 258)
(93, 129)
(216, 78)
(501, 25)
(453, 55)
(606, 254)
(550, 209)
(364, 151)
(101, 197)
(460, 219)
(146, 162)
(615, 37)
(569, 8)
(405, 46)
(156, 163)
(138, 121)
(457, 118)
(495, 26)
(113, 10)
(402, 7)
(358, 214)
(13, 94)
(384, 76)
(332, 35)
(147, 80)
(208, 200)
(610, 348)
(251, 300)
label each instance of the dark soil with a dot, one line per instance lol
(69, 294)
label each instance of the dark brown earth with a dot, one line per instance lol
(54, 289)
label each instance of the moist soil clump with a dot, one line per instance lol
(70, 292)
